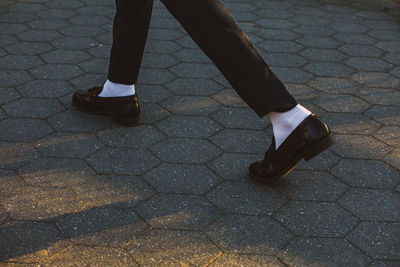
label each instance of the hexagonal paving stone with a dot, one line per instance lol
(45, 88)
(368, 64)
(376, 79)
(173, 211)
(102, 226)
(385, 35)
(65, 56)
(88, 80)
(68, 145)
(348, 123)
(162, 47)
(169, 248)
(74, 43)
(191, 105)
(324, 55)
(122, 161)
(372, 204)
(322, 252)
(263, 235)
(41, 204)
(242, 198)
(341, 103)
(14, 77)
(192, 56)
(181, 178)
(316, 219)
(380, 96)
(284, 59)
(10, 182)
(244, 118)
(323, 42)
(328, 69)
(139, 137)
(294, 75)
(14, 155)
(28, 48)
(311, 185)
(95, 65)
(23, 130)
(36, 108)
(56, 172)
(184, 150)
(202, 87)
(389, 135)
(56, 72)
(354, 50)
(194, 70)
(243, 141)
(275, 23)
(155, 76)
(188, 126)
(229, 98)
(393, 158)
(30, 242)
(334, 85)
(151, 113)
(113, 191)
(81, 31)
(377, 239)
(387, 115)
(158, 61)
(48, 24)
(359, 147)
(237, 260)
(366, 173)
(280, 46)
(38, 36)
(354, 38)
(74, 121)
(56, 14)
(85, 256)
(280, 35)
(18, 62)
(396, 71)
(12, 28)
(233, 166)
(88, 20)
(8, 94)
(389, 46)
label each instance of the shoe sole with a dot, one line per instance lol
(124, 121)
(308, 154)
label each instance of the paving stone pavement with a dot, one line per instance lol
(79, 190)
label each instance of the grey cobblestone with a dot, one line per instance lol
(78, 189)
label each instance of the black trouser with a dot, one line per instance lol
(217, 34)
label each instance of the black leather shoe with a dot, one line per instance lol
(124, 110)
(309, 139)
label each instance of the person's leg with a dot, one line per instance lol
(297, 132)
(130, 28)
(117, 97)
(215, 31)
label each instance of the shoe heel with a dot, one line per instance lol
(318, 148)
(126, 121)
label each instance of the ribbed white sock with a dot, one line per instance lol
(111, 89)
(283, 123)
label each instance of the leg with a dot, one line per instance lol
(301, 134)
(130, 28)
(218, 35)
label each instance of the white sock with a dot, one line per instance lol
(283, 123)
(111, 89)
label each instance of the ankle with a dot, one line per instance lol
(111, 89)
